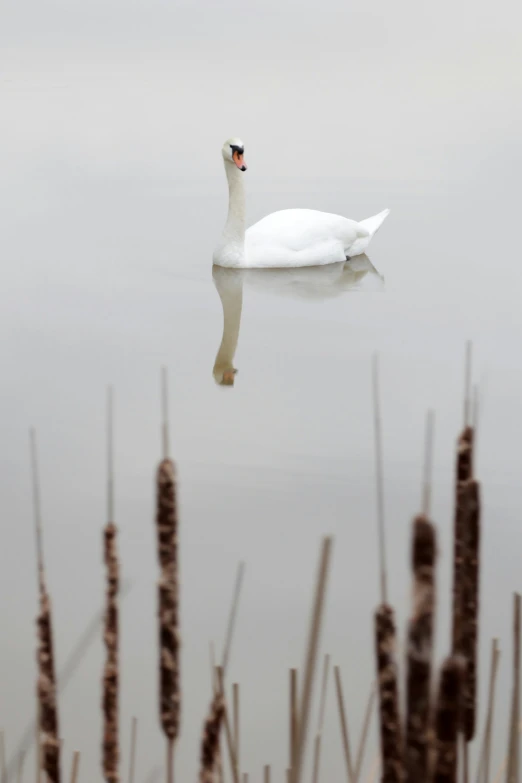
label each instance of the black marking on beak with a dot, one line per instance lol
(238, 149)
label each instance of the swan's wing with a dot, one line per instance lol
(300, 237)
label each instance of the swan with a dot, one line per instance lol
(287, 238)
(313, 283)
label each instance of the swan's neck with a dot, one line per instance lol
(234, 230)
(230, 291)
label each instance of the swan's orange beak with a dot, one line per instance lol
(237, 157)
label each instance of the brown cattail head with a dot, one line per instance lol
(463, 473)
(50, 743)
(447, 720)
(168, 599)
(210, 739)
(391, 744)
(110, 746)
(470, 606)
(420, 648)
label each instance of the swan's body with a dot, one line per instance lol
(290, 237)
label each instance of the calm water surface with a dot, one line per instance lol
(105, 281)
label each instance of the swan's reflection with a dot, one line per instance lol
(312, 282)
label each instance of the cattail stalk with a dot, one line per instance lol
(447, 721)
(344, 725)
(235, 710)
(20, 775)
(210, 738)
(266, 773)
(512, 775)
(463, 471)
(3, 767)
(311, 657)
(420, 650)
(168, 595)
(364, 735)
(46, 688)
(132, 760)
(485, 757)
(293, 717)
(75, 766)
(322, 707)
(387, 677)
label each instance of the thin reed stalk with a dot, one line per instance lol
(75, 766)
(485, 756)
(132, 759)
(3, 766)
(420, 651)
(46, 688)
(311, 656)
(293, 717)
(344, 725)
(512, 775)
(168, 595)
(232, 617)
(322, 708)
(20, 775)
(266, 773)
(235, 718)
(364, 734)
(447, 721)
(387, 677)
(228, 730)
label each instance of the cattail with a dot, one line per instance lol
(46, 688)
(447, 721)
(110, 692)
(470, 606)
(420, 648)
(463, 473)
(210, 738)
(168, 600)
(110, 699)
(390, 730)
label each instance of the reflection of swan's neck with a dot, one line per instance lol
(234, 230)
(230, 291)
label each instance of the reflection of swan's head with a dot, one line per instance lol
(233, 151)
(224, 376)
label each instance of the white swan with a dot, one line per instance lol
(290, 237)
(313, 283)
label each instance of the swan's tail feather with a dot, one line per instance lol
(373, 224)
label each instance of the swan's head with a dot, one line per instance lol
(233, 152)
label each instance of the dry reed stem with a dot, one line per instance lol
(502, 768)
(512, 775)
(322, 708)
(470, 606)
(3, 768)
(228, 731)
(344, 725)
(235, 719)
(311, 656)
(210, 738)
(20, 775)
(266, 773)
(485, 756)
(293, 717)
(245, 777)
(132, 760)
(387, 677)
(420, 651)
(110, 699)
(463, 473)
(447, 721)
(75, 766)
(364, 734)
(232, 617)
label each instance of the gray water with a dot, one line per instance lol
(111, 199)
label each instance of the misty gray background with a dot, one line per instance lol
(112, 195)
